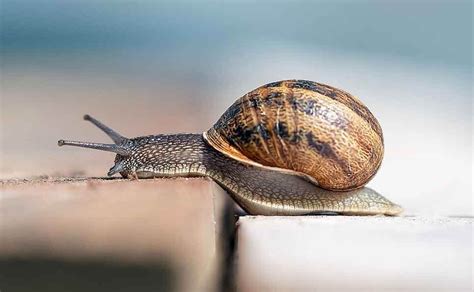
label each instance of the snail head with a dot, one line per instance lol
(122, 145)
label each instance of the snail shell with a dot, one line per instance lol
(311, 129)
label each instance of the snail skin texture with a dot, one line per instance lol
(291, 147)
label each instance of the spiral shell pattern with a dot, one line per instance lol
(315, 130)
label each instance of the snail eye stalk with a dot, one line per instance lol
(120, 146)
(116, 137)
(99, 146)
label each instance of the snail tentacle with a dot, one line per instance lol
(122, 150)
(121, 143)
(116, 137)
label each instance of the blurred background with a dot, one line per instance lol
(148, 67)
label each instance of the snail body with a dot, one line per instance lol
(287, 148)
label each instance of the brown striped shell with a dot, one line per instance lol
(304, 127)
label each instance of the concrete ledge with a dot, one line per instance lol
(170, 225)
(354, 254)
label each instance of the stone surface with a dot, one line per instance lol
(339, 253)
(147, 234)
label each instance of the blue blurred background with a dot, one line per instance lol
(147, 67)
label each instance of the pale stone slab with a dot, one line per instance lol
(339, 253)
(172, 224)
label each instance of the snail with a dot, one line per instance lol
(291, 147)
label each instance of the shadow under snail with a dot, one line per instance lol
(291, 147)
